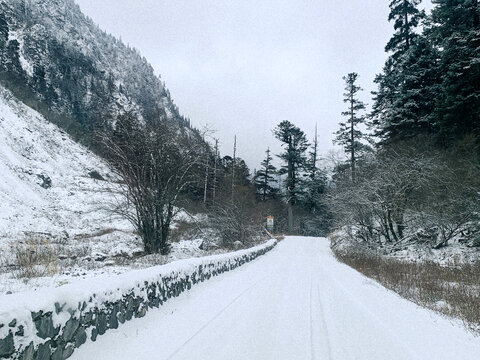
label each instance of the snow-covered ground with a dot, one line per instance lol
(51, 205)
(45, 184)
(297, 302)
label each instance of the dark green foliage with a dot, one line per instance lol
(315, 220)
(421, 185)
(315, 181)
(264, 179)
(406, 17)
(411, 191)
(455, 29)
(94, 174)
(3, 29)
(431, 83)
(450, 17)
(295, 144)
(408, 90)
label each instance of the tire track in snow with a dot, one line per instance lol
(312, 344)
(373, 319)
(312, 347)
(322, 329)
(326, 335)
(209, 322)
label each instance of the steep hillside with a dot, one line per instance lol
(46, 178)
(53, 55)
(56, 224)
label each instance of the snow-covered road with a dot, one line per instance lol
(297, 302)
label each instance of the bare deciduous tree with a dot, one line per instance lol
(153, 163)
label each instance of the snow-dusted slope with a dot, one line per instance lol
(45, 184)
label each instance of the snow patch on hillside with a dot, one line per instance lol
(26, 65)
(46, 186)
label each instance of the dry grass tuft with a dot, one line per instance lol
(35, 258)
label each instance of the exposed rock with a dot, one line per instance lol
(58, 307)
(103, 316)
(68, 351)
(80, 337)
(70, 328)
(44, 351)
(101, 323)
(99, 256)
(45, 328)
(112, 320)
(7, 346)
(29, 352)
(94, 334)
(46, 181)
(58, 354)
(20, 331)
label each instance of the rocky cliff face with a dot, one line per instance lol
(56, 58)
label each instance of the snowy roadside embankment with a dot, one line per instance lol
(51, 323)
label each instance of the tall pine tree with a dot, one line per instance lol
(404, 104)
(315, 179)
(295, 144)
(265, 180)
(348, 135)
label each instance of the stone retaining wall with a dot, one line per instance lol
(54, 331)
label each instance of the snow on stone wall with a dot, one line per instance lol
(51, 323)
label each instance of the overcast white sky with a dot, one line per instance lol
(243, 66)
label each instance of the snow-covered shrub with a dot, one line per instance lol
(410, 194)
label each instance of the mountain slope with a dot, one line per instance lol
(45, 183)
(69, 64)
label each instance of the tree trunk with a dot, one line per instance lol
(390, 225)
(476, 20)
(352, 141)
(290, 218)
(407, 25)
(164, 249)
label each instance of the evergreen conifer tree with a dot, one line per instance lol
(406, 17)
(404, 104)
(265, 178)
(408, 87)
(315, 179)
(455, 30)
(348, 135)
(295, 144)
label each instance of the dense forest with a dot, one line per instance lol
(415, 177)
